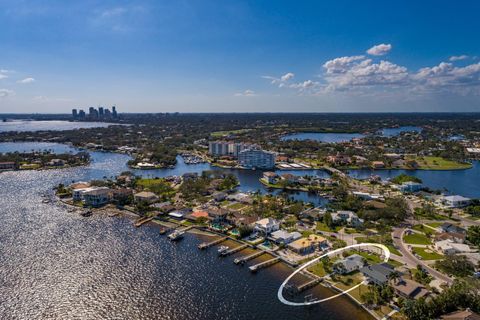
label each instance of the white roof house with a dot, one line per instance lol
(348, 217)
(349, 264)
(450, 247)
(456, 201)
(282, 236)
(267, 225)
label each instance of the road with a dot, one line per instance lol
(411, 259)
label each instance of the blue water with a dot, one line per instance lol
(391, 132)
(56, 125)
(462, 182)
(323, 137)
(35, 146)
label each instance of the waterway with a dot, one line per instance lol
(56, 125)
(59, 265)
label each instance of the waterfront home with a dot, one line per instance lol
(198, 215)
(361, 161)
(284, 237)
(451, 228)
(267, 225)
(270, 177)
(56, 163)
(339, 160)
(179, 214)
(452, 236)
(291, 178)
(378, 273)
(308, 244)
(378, 164)
(121, 194)
(450, 247)
(241, 220)
(77, 193)
(367, 196)
(456, 201)
(240, 197)
(348, 217)
(410, 187)
(189, 176)
(7, 166)
(409, 289)
(217, 215)
(146, 196)
(97, 197)
(466, 314)
(312, 214)
(349, 264)
(219, 196)
(79, 185)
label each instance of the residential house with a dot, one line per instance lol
(122, 194)
(349, 264)
(240, 220)
(270, 177)
(410, 187)
(284, 237)
(197, 215)
(217, 215)
(308, 244)
(456, 201)
(339, 159)
(378, 164)
(189, 176)
(450, 247)
(267, 225)
(56, 163)
(409, 289)
(240, 197)
(313, 214)
(289, 177)
(378, 274)
(452, 236)
(451, 228)
(219, 196)
(97, 197)
(146, 196)
(348, 217)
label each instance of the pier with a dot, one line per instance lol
(244, 259)
(264, 264)
(141, 221)
(233, 250)
(205, 245)
(307, 285)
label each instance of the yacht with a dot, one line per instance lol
(222, 249)
(176, 235)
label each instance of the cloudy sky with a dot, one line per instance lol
(240, 56)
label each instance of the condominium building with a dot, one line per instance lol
(225, 148)
(256, 159)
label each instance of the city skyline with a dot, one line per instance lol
(245, 56)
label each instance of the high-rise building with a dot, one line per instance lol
(74, 113)
(100, 111)
(224, 148)
(256, 159)
(81, 114)
(114, 111)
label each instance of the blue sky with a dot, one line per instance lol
(240, 56)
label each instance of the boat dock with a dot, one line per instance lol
(309, 284)
(205, 245)
(264, 264)
(141, 221)
(233, 250)
(244, 259)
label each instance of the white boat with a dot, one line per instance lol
(176, 235)
(222, 249)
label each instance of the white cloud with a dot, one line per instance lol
(26, 80)
(458, 58)
(3, 76)
(380, 49)
(246, 93)
(6, 93)
(341, 65)
(282, 80)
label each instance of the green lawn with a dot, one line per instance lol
(218, 134)
(318, 269)
(438, 163)
(434, 224)
(416, 238)
(323, 227)
(427, 255)
(420, 227)
(236, 206)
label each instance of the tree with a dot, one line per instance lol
(473, 235)
(457, 265)
(327, 219)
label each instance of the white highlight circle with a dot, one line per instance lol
(296, 304)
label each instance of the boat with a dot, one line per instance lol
(163, 230)
(222, 249)
(45, 201)
(176, 235)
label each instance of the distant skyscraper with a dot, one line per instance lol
(74, 113)
(81, 114)
(114, 111)
(100, 111)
